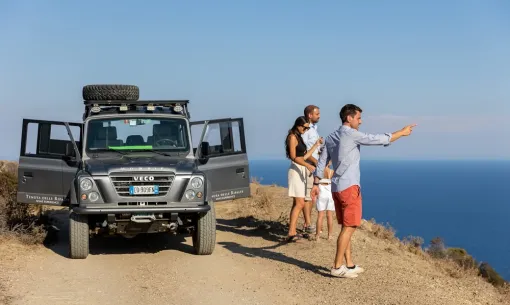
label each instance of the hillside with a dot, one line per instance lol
(251, 265)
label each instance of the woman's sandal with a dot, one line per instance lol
(293, 238)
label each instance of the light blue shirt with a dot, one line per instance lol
(310, 137)
(343, 149)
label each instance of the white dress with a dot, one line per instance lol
(325, 200)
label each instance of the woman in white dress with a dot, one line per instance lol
(300, 178)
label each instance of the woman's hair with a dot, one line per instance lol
(300, 121)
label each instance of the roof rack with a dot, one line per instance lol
(96, 107)
(137, 103)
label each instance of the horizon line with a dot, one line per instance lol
(394, 159)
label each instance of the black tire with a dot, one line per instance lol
(204, 234)
(78, 236)
(110, 92)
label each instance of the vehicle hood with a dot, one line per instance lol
(105, 166)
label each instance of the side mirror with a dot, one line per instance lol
(204, 149)
(70, 153)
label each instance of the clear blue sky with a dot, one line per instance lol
(442, 64)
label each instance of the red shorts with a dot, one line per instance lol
(348, 206)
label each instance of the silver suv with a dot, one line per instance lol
(134, 167)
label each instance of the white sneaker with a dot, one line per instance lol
(343, 271)
(357, 269)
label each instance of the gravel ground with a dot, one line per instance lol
(249, 266)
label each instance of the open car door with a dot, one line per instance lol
(220, 147)
(48, 161)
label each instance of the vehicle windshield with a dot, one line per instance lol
(138, 134)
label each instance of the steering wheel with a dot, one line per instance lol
(169, 141)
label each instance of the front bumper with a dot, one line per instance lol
(109, 208)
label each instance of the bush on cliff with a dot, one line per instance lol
(17, 220)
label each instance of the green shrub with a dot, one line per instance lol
(461, 257)
(487, 272)
(437, 248)
(16, 218)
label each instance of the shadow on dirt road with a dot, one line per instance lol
(58, 242)
(270, 231)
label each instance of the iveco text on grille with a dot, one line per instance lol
(143, 178)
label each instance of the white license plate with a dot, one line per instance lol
(144, 189)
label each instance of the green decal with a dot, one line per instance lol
(134, 147)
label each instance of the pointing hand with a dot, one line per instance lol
(408, 129)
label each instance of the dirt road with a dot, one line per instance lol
(249, 266)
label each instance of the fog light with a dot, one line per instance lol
(199, 194)
(83, 196)
(93, 196)
(190, 194)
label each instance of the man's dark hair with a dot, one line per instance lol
(348, 110)
(309, 109)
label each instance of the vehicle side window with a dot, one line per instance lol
(31, 139)
(196, 133)
(59, 138)
(224, 138)
(49, 140)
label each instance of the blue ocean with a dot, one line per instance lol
(464, 202)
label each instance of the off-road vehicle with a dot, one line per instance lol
(132, 166)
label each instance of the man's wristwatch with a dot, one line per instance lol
(315, 183)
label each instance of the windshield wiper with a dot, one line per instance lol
(114, 150)
(157, 152)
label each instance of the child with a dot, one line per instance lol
(325, 203)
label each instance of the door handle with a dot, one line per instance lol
(240, 171)
(26, 175)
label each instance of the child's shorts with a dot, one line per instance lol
(325, 203)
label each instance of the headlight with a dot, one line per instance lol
(196, 183)
(93, 196)
(190, 194)
(86, 184)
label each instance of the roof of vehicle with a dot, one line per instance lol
(174, 107)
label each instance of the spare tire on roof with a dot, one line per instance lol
(110, 92)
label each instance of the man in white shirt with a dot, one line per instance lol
(310, 137)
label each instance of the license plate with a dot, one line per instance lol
(144, 189)
(143, 214)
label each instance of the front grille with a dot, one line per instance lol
(123, 182)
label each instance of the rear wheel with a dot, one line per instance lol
(78, 236)
(204, 234)
(110, 92)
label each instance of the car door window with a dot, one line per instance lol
(224, 138)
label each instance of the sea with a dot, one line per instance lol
(466, 203)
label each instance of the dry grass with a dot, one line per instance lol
(379, 230)
(19, 221)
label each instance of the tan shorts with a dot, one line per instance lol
(300, 181)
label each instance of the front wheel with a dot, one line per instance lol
(204, 234)
(78, 236)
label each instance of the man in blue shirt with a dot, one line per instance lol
(342, 147)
